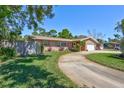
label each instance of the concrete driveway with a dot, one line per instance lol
(82, 71)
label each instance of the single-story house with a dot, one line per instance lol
(52, 43)
(114, 45)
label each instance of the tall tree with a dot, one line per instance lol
(117, 36)
(13, 19)
(27, 37)
(43, 32)
(96, 35)
(120, 28)
(75, 36)
(53, 33)
(65, 34)
(35, 33)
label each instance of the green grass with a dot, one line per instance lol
(107, 59)
(42, 71)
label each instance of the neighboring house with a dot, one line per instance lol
(52, 43)
(115, 45)
(112, 45)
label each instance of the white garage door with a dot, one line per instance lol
(90, 47)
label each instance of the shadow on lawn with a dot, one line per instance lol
(31, 59)
(27, 75)
(4, 58)
(25, 59)
(117, 56)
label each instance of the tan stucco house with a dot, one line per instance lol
(52, 43)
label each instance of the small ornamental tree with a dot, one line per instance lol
(77, 46)
(82, 43)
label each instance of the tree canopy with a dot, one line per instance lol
(120, 28)
(14, 18)
(65, 33)
(96, 35)
(53, 33)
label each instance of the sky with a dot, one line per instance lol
(80, 19)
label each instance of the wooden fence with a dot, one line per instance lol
(24, 47)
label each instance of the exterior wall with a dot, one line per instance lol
(91, 42)
(101, 47)
(88, 41)
(54, 48)
(50, 45)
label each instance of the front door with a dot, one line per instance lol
(82, 48)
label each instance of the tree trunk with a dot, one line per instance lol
(122, 47)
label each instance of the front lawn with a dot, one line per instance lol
(107, 59)
(34, 72)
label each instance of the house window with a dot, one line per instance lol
(46, 43)
(57, 44)
(63, 44)
(41, 43)
(54, 43)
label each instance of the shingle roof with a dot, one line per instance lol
(49, 38)
(61, 39)
(114, 42)
(86, 39)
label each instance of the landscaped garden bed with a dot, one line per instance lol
(35, 71)
(108, 59)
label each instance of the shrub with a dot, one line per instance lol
(76, 48)
(49, 49)
(73, 49)
(52, 81)
(9, 52)
(82, 43)
(61, 49)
